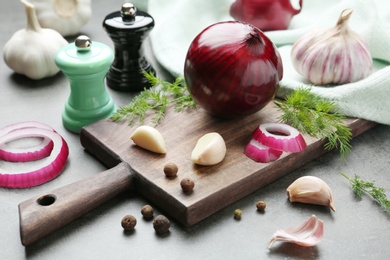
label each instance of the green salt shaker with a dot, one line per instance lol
(86, 64)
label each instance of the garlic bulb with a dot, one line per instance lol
(309, 233)
(332, 56)
(31, 51)
(312, 190)
(65, 16)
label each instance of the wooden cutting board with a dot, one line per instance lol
(215, 186)
(132, 167)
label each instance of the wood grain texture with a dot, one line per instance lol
(48, 212)
(215, 186)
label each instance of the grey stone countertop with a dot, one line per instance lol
(359, 229)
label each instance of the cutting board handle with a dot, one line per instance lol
(41, 215)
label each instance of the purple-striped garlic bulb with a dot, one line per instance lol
(334, 55)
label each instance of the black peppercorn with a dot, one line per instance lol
(147, 212)
(170, 170)
(187, 185)
(161, 224)
(260, 205)
(128, 222)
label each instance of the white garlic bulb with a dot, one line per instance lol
(65, 16)
(31, 51)
(332, 56)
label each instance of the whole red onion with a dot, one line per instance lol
(232, 69)
(267, 15)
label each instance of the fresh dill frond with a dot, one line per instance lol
(318, 117)
(360, 187)
(156, 100)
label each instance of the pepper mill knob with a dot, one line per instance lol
(85, 63)
(128, 12)
(128, 28)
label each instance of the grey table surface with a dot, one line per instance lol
(359, 229)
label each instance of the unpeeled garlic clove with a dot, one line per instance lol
(334, 55)
(149, 138)
(210, 149)
(310, 233)
(312, 190)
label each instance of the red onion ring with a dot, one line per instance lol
(44, 170)
(280, 137)
(37, 152)
(261, 153)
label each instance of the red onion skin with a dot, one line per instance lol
(232, 69)
(267, 15)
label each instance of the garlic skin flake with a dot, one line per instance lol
(210, 149)
(31, 51)
(311, 190)
(65, 16)
(335, 55)
(149, 138)
(309, 233)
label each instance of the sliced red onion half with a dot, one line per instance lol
(25, 154)
(280, 137)
(261, 153)
(40, 171)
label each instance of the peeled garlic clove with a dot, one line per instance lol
(332, 56)
(310, 233)
(311, 190)
(209, 150)
(149, 138)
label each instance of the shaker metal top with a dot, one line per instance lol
(83, 43)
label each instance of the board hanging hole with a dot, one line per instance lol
(46, 200)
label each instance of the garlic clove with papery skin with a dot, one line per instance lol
(31, 51)
(335, 55)
(311, 190)
(309, 233)
(210, 149)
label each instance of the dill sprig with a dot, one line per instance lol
(360, 187)
(316, 116)
(156, 99)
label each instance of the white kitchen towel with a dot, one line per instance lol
(179, 21)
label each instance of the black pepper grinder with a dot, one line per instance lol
(128, 28)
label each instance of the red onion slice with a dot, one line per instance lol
(261, 153)
(40, 172)
(25, 154)
(280, 137)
